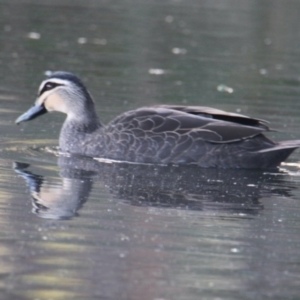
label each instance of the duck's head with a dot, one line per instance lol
(63, 92)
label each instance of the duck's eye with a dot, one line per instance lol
(48, 86)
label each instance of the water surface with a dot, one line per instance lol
(75, 228)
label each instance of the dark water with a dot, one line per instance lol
(75, 228)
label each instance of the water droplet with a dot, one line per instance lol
(179, 51)
(156, 71)
(48, 73)
(225, 88)
(263, 71)
(34, 35)
(268, 41)
(102, 42)
(235, 250)
(169, 19)
(7, 28)
(82, 40)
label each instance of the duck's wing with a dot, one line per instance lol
(218, 115)
(199, 122)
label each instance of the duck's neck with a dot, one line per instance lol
(76, 131)
(86, 123)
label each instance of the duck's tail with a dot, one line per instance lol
(272, 157)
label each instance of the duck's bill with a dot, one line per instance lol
(32, 113)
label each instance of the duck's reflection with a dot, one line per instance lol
(56, 199)
(184, 187)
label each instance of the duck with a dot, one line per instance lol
(160, 134)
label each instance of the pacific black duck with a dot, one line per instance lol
(163, 134)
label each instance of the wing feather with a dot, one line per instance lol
(205, 123)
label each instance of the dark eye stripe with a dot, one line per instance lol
(49, 86)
